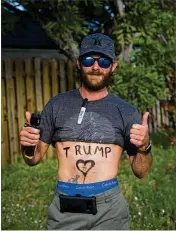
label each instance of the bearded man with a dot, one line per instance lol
(90, 128)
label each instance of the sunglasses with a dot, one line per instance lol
(88, 61)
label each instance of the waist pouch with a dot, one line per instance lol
(78, 204)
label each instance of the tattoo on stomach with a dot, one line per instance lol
(74, 180)
(84, 166)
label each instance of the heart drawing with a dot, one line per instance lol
(85, 166)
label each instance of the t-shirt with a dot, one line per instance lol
(107, 120)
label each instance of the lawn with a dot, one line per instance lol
(27, 192)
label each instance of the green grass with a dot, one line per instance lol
(152, 201)
(27, 192)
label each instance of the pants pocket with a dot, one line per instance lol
(113, 214)
(124, 214)
(53, 219)
(120, 212)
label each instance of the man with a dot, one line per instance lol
(90, 128)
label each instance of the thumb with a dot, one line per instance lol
(28, 117)
(145, 118)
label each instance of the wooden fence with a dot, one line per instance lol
(27, 85)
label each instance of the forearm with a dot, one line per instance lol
(141, 164)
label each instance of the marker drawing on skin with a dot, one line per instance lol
(66, 150)
(107, 150)
(85, 166)
(77, 149)
(89, 150)
(100, 149)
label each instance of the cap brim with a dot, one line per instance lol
(97, 52)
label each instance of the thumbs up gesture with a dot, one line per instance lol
(29, 136)
(139, 134)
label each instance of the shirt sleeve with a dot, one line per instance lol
(47, 124)
(135, 118)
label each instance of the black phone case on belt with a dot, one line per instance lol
(78, 204)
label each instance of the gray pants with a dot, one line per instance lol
(113, 214)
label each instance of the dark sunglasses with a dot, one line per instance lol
(88, 61)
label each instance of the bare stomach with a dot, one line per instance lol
(81, 162)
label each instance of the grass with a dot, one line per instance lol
(27, 192)
(152, 200)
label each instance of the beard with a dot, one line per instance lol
(95, 84)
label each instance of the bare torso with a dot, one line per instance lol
(81, 162)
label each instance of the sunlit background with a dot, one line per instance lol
(39, 43)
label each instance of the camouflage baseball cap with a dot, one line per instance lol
(98, 43)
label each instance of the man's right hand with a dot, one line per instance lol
(29, 136)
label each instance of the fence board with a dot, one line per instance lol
(167, 119)
(54, 79)
(38, 86)
(158, 114)
(163, 117)
(20, 92)
(63, 83)
(12, 118)
(150, 121)
(5, 158)
(46, 93)
(70, 75)
(30, 92)
(46, 82)
(154, 119)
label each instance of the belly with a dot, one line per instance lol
(81, 162)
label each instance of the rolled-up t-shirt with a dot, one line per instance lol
(106, 121)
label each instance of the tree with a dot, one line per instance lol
(147, 38)
(144, 33)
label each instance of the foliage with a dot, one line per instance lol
(129, 85)
(147, 31)
(144, 33)
(8, 23)
(61, 20)
(27, 192)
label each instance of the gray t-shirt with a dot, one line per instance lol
(106, 121)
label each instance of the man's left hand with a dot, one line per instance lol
(139, 134)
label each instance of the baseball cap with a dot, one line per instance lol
(98, 43)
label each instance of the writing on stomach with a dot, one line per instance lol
(81, 162)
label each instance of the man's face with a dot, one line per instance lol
(94, 77)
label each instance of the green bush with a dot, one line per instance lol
(27, 192)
